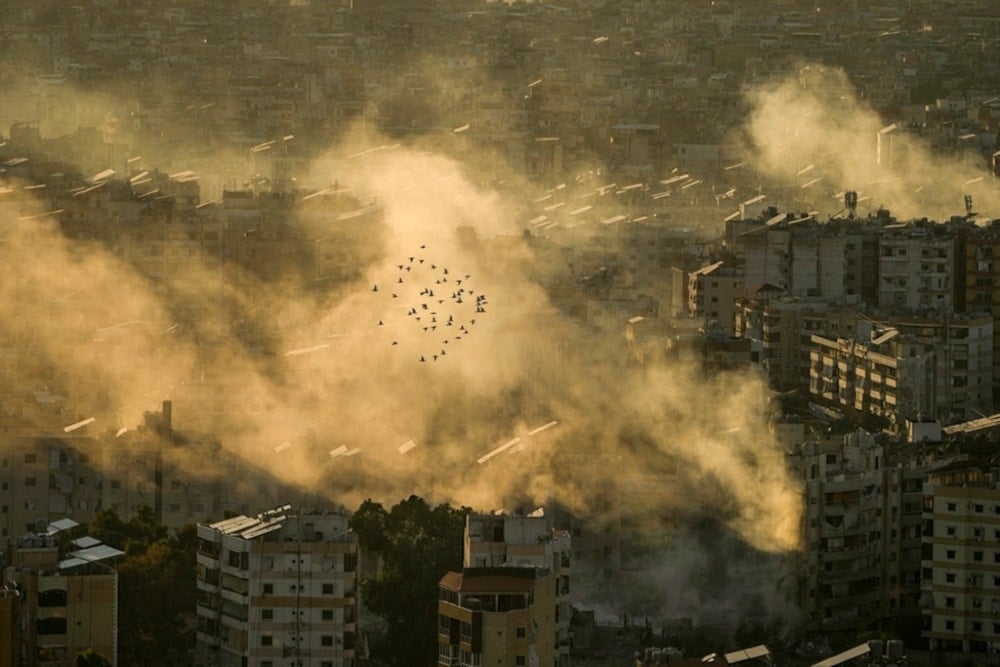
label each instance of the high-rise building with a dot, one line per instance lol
(862, 530)
(277, 587)
(961, 580)
(917, 266)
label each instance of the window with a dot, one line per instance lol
(327, 589)
(952, 507)
(950, 554)
(949, 602)
(979, 509)
(950, 577)
(327, 614)
(520, 660)
(977, 556)
(266, 640)
(52, 598)
(949, 625)
(521, 632)
(51, 626)
(30, 458)
(268, 589)
(977, 626)
(30, 481)
(267, 614)
(326, 640)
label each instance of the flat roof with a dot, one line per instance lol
(518, 580)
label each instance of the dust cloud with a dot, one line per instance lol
(811, 133)
(359, 371)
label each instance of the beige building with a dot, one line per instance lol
(277, 587)
(961, 561)
(712, 293)
(504, 616)
(64, 607)
(497, 540)
(916, 267)
(937, 366)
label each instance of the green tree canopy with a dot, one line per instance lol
(417, 545)
(156, 587)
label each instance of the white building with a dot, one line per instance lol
(276, 587)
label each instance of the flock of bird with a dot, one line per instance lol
(442, 308)
(440, 305)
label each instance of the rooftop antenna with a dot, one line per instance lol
(851, 203)
(969, 213)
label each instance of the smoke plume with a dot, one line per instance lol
(810, 132)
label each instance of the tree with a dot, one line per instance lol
(417, 545)
(156, 587)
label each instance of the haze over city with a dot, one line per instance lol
(646, 331)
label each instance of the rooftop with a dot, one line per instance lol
(491, 580)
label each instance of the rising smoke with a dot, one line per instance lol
(811, 125)
(345, 370)
(104, 326)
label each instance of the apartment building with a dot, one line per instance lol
(712, 293)
(62, 606)
(47, 477)
(938, 366)
(505, 616)
(276, 587)
(917, 266)
(795, 253)
(961, 558)
(498, 540)
(884, 377)
(862, 528)
(183, 476)
(963, 349)
(778, 327)
(979, 283)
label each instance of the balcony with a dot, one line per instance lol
(207, 561)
